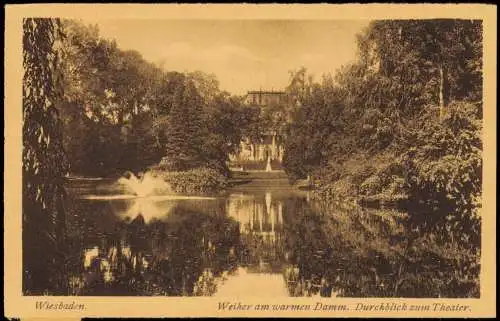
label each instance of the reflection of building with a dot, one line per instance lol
(261, 228)
(257, 216)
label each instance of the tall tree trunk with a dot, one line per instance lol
(442, 92)
(61, 239)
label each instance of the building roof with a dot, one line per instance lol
(265, 92)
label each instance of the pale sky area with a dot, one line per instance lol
(243, 54)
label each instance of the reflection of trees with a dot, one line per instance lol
(162, 257)
(309, 252)
(360, 253)
(350, 253)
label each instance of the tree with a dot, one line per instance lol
(313, 128)
(436, 61)
(184, 128)
(444, 176)
(207, 85)
(408, 135)
(110, 96)
(299, 87)
(250, 120)
(44, 164)
(228, 120)
(416, 86)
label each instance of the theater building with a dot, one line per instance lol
(267, 154)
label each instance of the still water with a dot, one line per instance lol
(229, 245)
(256, 241)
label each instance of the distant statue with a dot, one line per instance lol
(268, 166)
(128, 174)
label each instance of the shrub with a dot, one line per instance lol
(194, 181)
(372, 185)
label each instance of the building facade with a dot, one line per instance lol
(266, 154)
(265, 98)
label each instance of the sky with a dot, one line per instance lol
(243, 54)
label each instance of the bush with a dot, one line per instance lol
(372, 185)
(362, 175)
(444, 175)
(194, 181)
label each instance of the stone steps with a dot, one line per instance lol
(260, 175)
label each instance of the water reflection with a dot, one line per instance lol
(176, 253)
(261, 226)
(256, 243)
(147, 208)
(261, 256)
(221, 246)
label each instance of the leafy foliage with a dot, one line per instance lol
(444, 175)
(184, 132)
(44, 164)
(193, 181)
(401, 127)
(313, 131)
(123, 113)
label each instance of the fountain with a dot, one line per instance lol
(145, 185)
(146, 195)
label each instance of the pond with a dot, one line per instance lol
(269, 240)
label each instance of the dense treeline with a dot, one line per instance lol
(401, 127)
(124, 113)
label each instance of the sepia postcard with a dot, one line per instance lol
(250, 160)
